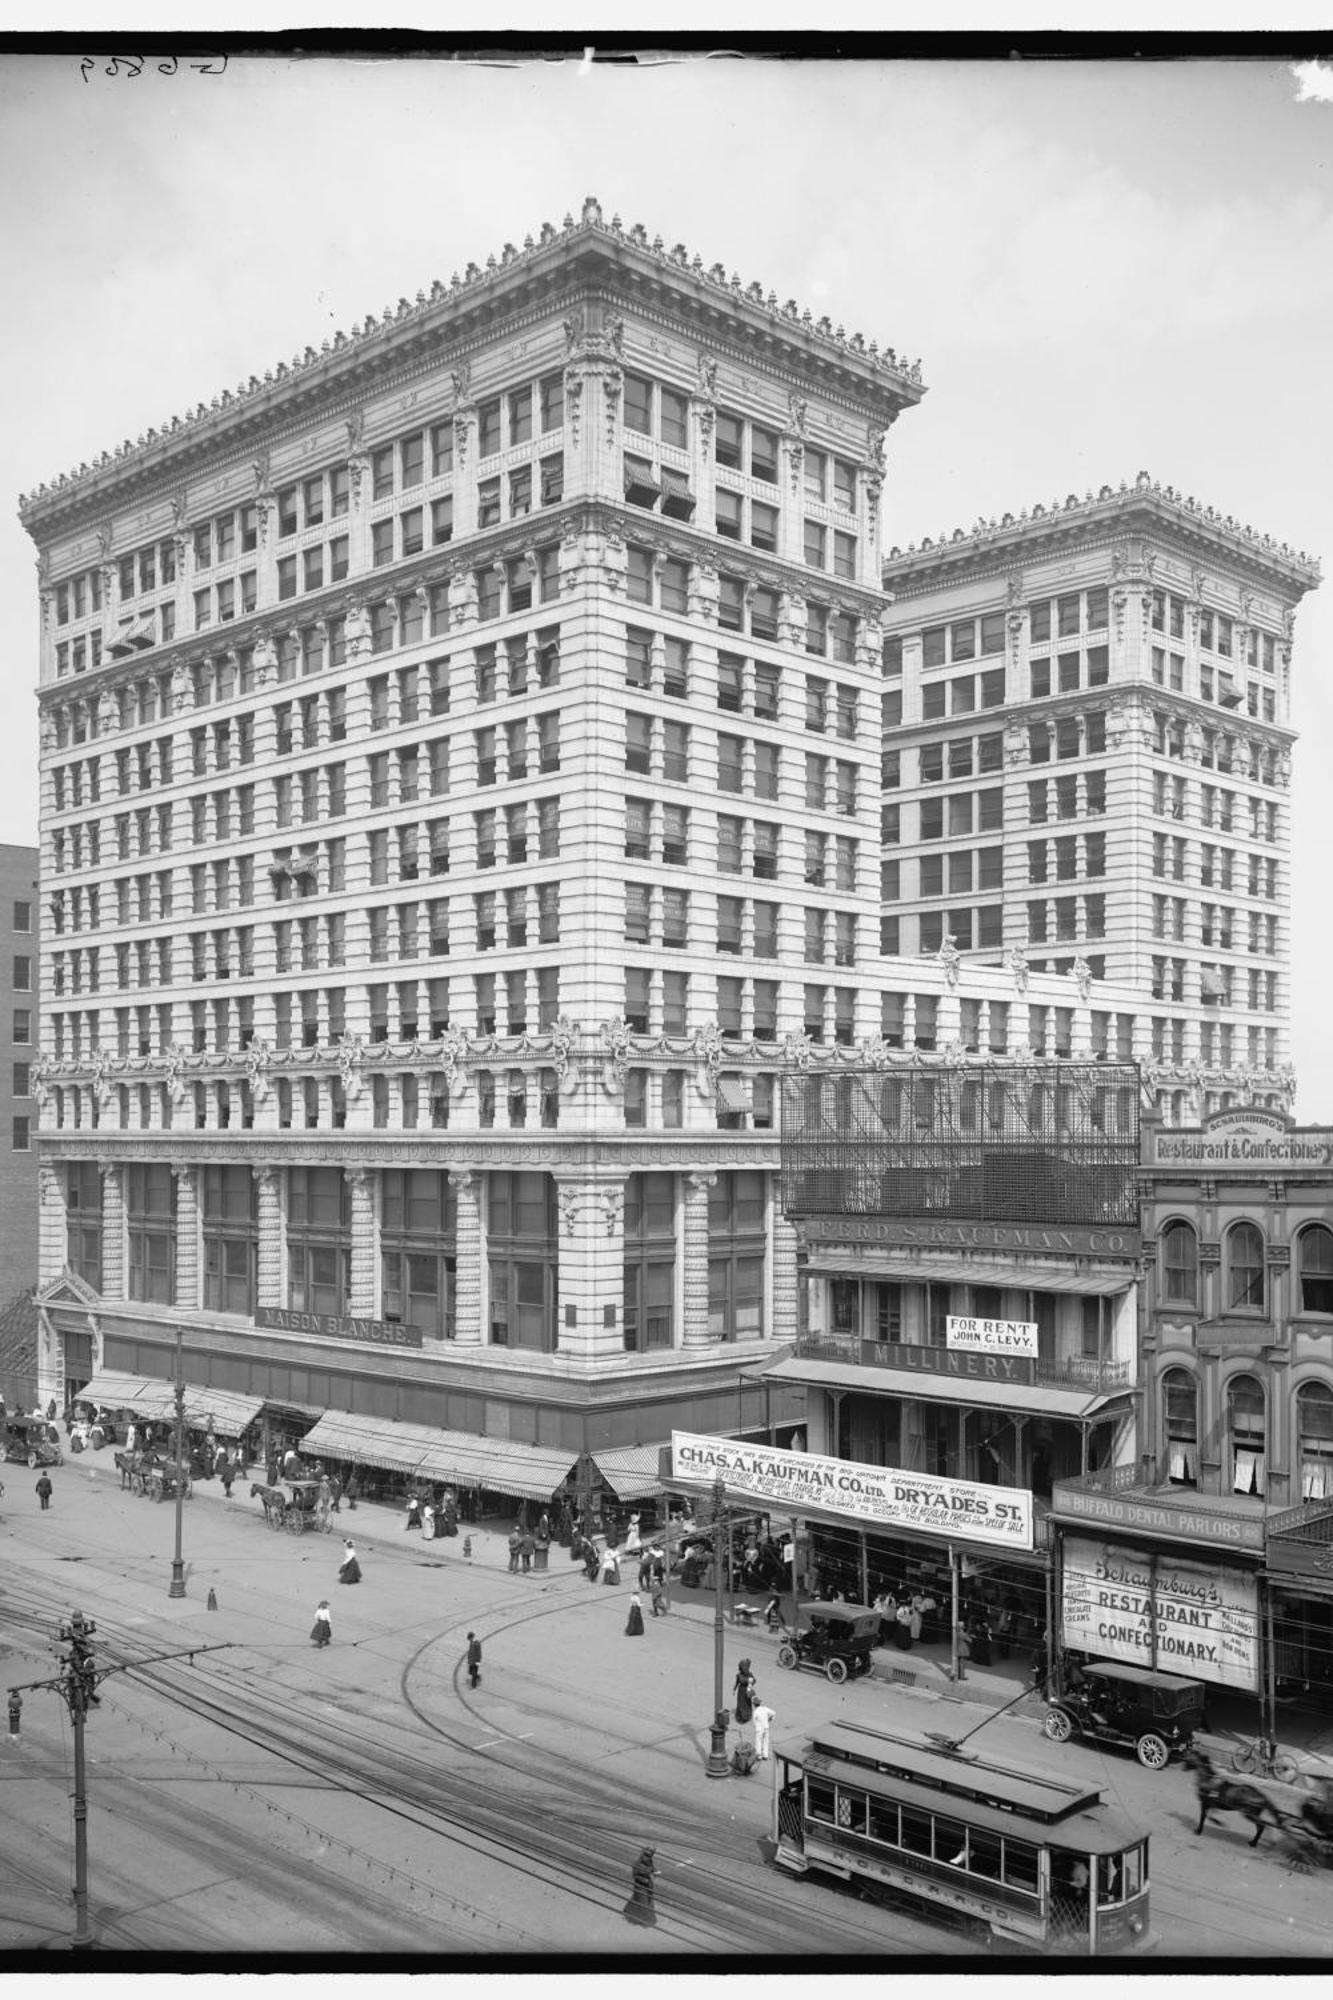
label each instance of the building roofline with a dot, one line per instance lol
(1145, 505)
(322, 378)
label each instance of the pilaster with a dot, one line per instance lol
(52, 1219)
(592, 1261)
(468, 1250)
(113, 1232)
(271, 1277)
(365, 1241)
(784, 1274)
(694, 1247)
(188, 1289)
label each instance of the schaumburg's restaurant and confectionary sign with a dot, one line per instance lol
(1197, 1619)
(1249, 1137)
(880, 1496)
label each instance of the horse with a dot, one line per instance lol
(1218, 1793)
(269, 1497)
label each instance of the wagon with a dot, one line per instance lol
(162, 1482)
(305, 1511)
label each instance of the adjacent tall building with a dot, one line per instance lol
(1088, 754)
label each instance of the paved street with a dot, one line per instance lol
(273, 1797)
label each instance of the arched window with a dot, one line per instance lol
(1314, 1249)
(1314, 1424)
(1245, 1267)
(1246, 1429)
(1179, 1264)
(1180, 1418)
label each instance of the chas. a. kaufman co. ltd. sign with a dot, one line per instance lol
(796, 1482)
(991, 1336)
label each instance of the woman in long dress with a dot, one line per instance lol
(634, 1623)
(349, 1569)
(322, 1629)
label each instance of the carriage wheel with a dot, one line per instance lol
(836, 1670)
(786, 1656)
(1058, 1725)
(274, 1517)
(1152, 1752)
(1245, 1758)
(1285, 1769)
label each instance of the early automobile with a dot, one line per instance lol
(1154, 1714)
(32, 1441)
(838, 1639)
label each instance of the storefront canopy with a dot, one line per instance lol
(220, 1410)
(1035, 1399)
(529, 1472)
(632, 1470)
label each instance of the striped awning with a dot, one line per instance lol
(223, 1411)
(460, 1458)
(631, 1471)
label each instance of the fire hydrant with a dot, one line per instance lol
(15, 1710)
(639, 1909)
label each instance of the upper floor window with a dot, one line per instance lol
(1179, 1264)
(1314, 1426)
(1314, 1251)
(1247, 1431)
(1180, 1417)
(1245, 1267)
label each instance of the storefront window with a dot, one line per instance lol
(1314, 1250)
(1245, 1267)
(1180, 1408)
(150, 1217)
(1314, 1422)
(650, 1261)
(1245, 1412)
(417, 1250)
(1179, 1264)
(231, 1238)
(523, 1260)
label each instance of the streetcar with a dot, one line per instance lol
(1041, 1864)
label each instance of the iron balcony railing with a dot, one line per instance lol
(1076, 1371)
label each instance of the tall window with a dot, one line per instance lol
(524, 1260)
(231, 1238)
(1180, 1413)
(650, 1261)
(319, 1239)
(1245, 1426)
(1314, 1425)
(1179, 1264)
(737, 1244)
(418, 1225)
(83, 1221)
(1314, 1251)
(150, 1216)
(1245, 1267)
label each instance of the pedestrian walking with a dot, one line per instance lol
(473, 1658)
(526, 1545)
(428, 1523)
(349, 1569)
(322, 1629)
(515, 1543)
(610, 1566)
(413, 1513)
(645, 1568)
(656, 1597)
(743, 1699)
(634, 1623)
(763, 1727)
(227, 1473)
(43, 1490)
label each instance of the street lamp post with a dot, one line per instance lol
(177, 1588)
(718, 1767)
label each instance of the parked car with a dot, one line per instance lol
(1154, 1713)
(837, 1641)
(31, 1441)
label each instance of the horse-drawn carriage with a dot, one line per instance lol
(1301, 1812)
(151, 1474)
(307, 1506)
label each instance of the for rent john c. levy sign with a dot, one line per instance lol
(795, 1482)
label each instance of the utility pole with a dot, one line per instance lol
(718, 1767)
(177, 1588)
(77, 1687)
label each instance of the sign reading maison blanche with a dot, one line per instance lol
(1247, 1136)
(332, 1326)
(791, 1482)
(991, 1336)
(1016, 1237)
(1196, 1620)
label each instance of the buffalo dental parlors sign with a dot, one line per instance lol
(878, 1496)
(991, 1336)
(1205, 1619)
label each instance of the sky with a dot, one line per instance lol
(1103, 266)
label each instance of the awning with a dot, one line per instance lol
(631, 1471)
(527, 1471)
(223, 1411)
(1037, 1274)
(1036, 1400)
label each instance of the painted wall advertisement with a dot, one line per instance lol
(1205, 1619)
(991, 1336)
(879, 1496)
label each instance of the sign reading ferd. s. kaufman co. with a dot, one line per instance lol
(794, 1482)
(991, 1336)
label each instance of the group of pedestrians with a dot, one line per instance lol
(524, 1543)
(753, 1718)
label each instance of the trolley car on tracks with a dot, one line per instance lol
(1038, 1863)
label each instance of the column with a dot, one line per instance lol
(188, 1293)
(784, 1271)
(52, 1239)
(365, 1241)
(113, 1233)
(271, 1286)
(592, 1264)
(468, 1330)
(695, 1258)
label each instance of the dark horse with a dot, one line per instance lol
(1218, 1793)
(269, 1498)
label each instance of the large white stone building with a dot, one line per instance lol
(460, 805)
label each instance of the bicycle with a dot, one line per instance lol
(1264, 1759)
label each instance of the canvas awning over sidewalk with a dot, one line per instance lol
(529, 1472)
